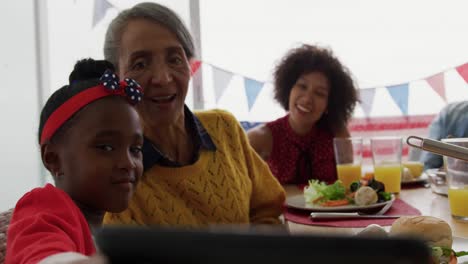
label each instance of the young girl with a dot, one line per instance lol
(91, 138)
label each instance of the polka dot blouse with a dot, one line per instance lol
(295, 159)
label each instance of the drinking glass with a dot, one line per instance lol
(457, 181)
(386, 155)
(348, 156)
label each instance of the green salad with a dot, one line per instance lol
(336, 194)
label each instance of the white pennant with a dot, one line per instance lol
(100, 9)
(367, 100)
(221, 80)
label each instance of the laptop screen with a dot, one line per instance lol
(161, 245)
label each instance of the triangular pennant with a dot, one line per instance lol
(399, 94)
(367, 100)
(221, 81)
(252, 89)
(100, 9)
(194, 66)
(437, 83)
(463, 71)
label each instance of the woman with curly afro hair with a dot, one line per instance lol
(319, 95)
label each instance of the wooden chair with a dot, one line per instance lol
(4, 222)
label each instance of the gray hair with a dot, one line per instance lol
(151, 11)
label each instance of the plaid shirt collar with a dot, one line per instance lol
(153, 156)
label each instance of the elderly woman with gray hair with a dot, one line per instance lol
(199, 168)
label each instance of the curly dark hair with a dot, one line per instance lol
(305, 59)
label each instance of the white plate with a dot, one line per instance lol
(419, 179)
(461, 244)
(298, 202)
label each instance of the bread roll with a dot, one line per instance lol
(436, 232)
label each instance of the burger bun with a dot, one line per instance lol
(436, 232)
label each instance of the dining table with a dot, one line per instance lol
(420, 197)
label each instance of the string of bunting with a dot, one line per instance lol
(399, 92)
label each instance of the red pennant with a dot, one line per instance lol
(463, 71)
(194, 66)
(437, 83)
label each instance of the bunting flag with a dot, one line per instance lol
(437, 83)
(252, 89)
(367, 100)
(194, 66)
(463, 71)
(399, 94)
(221, 80)
(100, 9)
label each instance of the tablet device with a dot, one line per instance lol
(167, 245)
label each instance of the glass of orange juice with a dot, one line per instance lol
(415, 167)
(386, 155)
(457, 180)
(348, 157)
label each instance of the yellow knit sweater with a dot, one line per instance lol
(231, 185)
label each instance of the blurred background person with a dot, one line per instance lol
(451, 122)
(319, 95)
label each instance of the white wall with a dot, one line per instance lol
(382, 42)
(19, 152)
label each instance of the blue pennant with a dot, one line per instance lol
(399, 94)
(252, 89)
